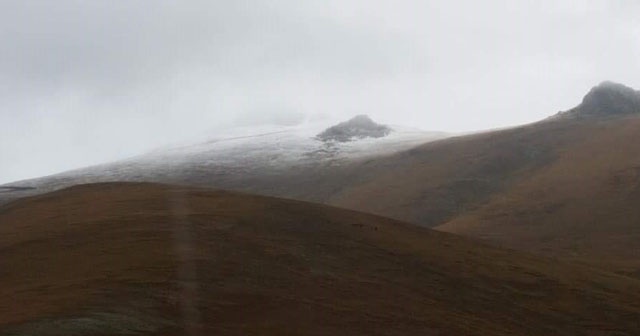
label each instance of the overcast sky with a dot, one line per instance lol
(83, 82)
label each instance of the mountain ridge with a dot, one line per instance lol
(562, 187)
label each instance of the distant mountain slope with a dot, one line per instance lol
(433, 183)
(269, 160)
(141, 259)
(583, 204)
(567, 187)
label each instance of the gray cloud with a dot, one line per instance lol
(88, 81)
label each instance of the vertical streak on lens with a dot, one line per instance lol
(185, 253)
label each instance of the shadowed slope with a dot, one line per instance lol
(148, 259)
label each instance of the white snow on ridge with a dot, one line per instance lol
(234, 155)
(286, 146)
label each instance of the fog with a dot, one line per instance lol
(83, 82)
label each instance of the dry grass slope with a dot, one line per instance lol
(128, 259)
(564, 188)
(583, 205)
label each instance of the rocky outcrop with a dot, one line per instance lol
(607, 100)
(358, 127)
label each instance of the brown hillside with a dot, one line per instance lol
(563, 187)
(116, 259)
(431, 184)
(568, 186)
(584, 205)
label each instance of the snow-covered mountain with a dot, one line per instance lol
(259, 159)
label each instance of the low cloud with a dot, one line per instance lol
(88, 81)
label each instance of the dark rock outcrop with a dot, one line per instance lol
(358, 127)
(607, 100)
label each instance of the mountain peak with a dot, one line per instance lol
(358, 127)
(608, 99)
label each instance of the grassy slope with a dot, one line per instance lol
(562, 188)
(151, 259)
(584, 205)
(433, 183)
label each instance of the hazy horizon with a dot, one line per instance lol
(90, 82)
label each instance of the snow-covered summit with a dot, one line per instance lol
(289, 145)
(239, 159)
